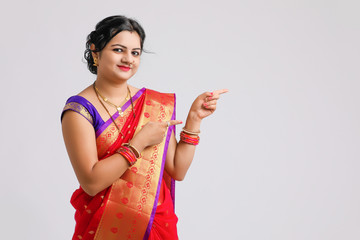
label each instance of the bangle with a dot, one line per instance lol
(189, 132)
(189, 139)
(135, 151)
(128, 154)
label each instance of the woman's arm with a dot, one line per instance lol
(180, 155)
(80, 141)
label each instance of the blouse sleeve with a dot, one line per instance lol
(75, 105)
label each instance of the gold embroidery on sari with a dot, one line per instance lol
(110, 135)
(131, 199)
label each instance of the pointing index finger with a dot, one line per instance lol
(174, 122)
(220, 91)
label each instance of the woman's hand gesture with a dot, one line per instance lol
(152, 133)
(205, 104)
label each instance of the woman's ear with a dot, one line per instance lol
(94, 54)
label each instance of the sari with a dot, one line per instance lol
(140, 204)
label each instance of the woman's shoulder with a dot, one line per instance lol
(81, 103)
(83, 98)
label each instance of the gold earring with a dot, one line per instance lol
(95, 62)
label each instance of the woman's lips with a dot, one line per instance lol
(124, 68)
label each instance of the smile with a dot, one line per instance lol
(124, 68)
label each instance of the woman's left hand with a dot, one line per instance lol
(205, 104)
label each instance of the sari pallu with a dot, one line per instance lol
(126, 210)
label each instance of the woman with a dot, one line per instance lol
(121, 142)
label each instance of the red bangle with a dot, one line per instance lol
(127, 154)
(132, 148)
(186, 138)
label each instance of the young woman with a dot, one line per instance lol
(121, 142)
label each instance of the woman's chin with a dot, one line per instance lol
(124, 76)
(120, 78)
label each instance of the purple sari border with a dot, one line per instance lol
(172, 192)
(136, 96)
(172, 186)
(116, 114)
(170, 130)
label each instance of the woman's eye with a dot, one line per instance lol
(135, 53)
(118, 50)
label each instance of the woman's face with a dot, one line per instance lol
(120, 58)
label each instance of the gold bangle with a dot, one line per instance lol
(136, 152)
(189, 132)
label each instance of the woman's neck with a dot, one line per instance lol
(114, 91)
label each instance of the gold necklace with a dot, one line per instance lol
(118, 108)
(97, 93)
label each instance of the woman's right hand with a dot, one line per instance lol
(152, 133)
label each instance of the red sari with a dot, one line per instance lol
(140, 204)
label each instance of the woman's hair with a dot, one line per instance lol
(105, 30)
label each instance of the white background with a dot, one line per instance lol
(279, 160)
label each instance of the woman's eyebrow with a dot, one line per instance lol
(124, 46)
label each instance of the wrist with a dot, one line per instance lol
(138, 143)
(133, 149)
(193, 122)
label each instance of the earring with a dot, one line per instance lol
(95, 62)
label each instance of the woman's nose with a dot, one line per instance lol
(127, 58)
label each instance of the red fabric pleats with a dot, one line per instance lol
(164, 225)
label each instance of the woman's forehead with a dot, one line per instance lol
(126, 38)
